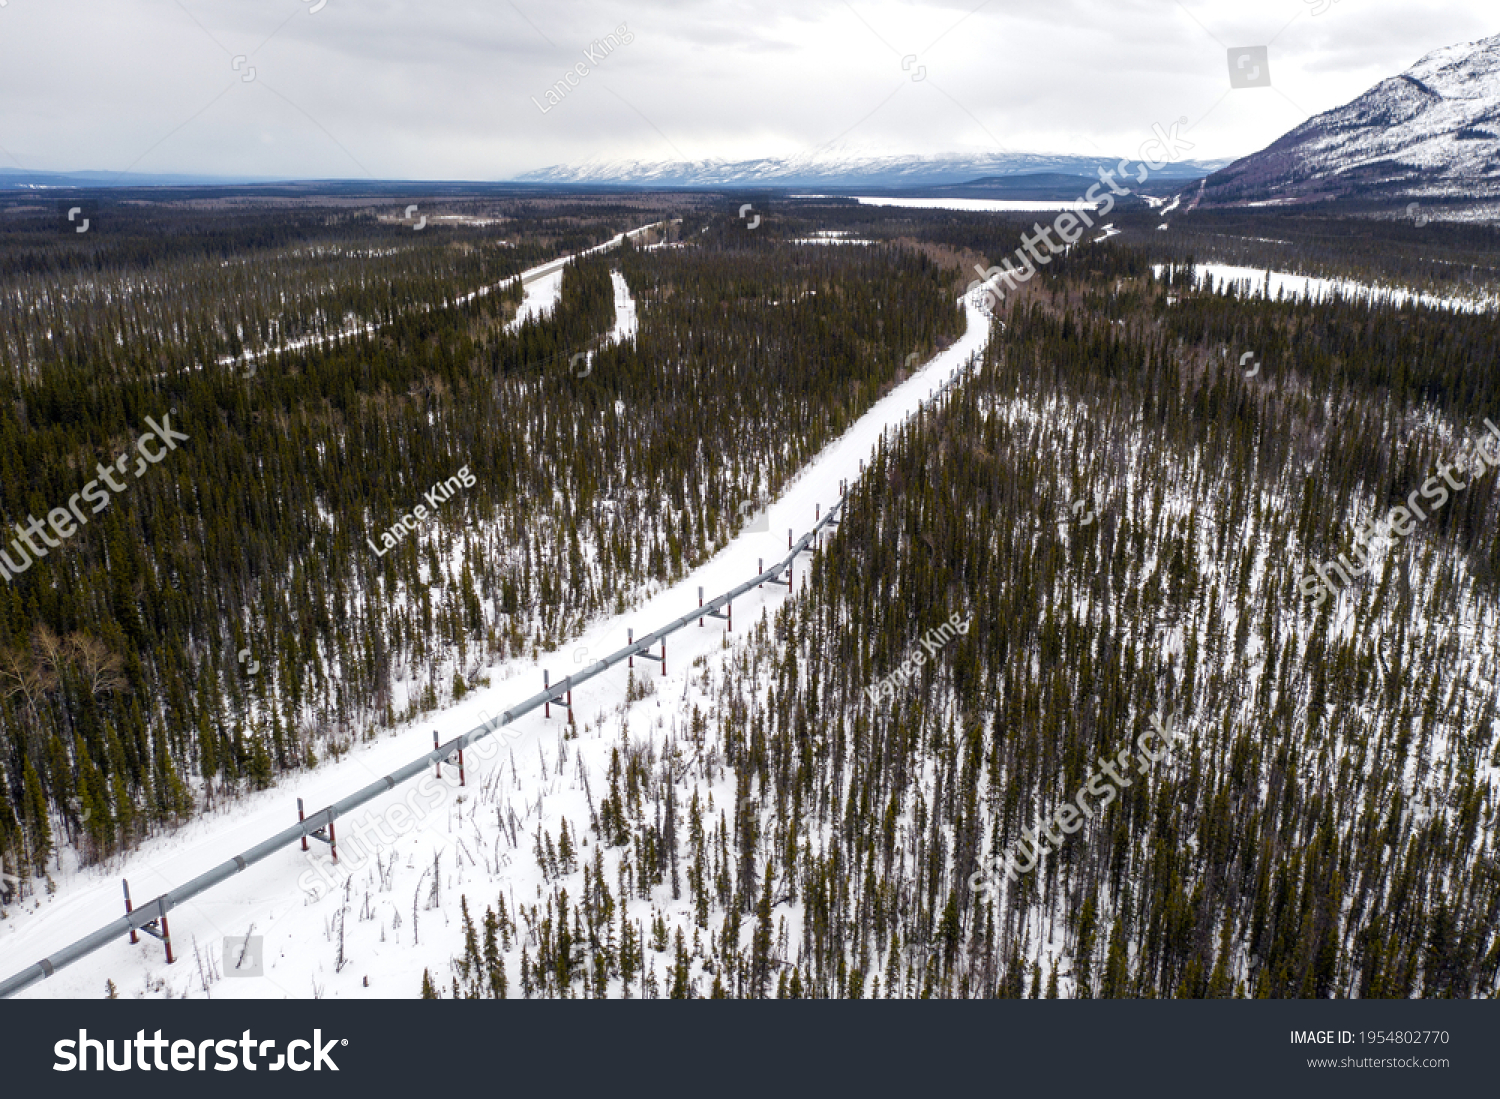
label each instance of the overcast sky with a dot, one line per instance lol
(453, 89)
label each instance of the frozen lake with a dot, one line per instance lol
(981, 204)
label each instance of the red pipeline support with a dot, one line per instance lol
(129, 908)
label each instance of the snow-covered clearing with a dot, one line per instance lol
(831, 236)
(1257, 282)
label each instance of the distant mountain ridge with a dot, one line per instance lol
(1015, 175)
(1431, 132)
(24, 179)
(842, 169)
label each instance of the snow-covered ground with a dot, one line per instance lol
(1257, 282)
(543, 288)
(625, 318)
(536, 779)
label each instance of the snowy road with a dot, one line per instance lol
(543, 286)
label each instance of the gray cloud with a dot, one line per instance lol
(401, 89)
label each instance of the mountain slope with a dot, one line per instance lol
(1432, 132)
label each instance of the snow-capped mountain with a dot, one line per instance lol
(1433, 132)
(837, 168)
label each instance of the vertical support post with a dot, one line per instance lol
(129, 908)
(630, 644)
(700, 605)
(300, 818)
(333, 839)
(570, 709)
(547, 686)
(729, 622)
(788, 537)
(437, 768)
(760, 567)
(663, 655)
(166, 932)
(461, 767)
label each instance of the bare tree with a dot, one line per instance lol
(21, 674)
(51, 654)
(35, 674)
(103, 670)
